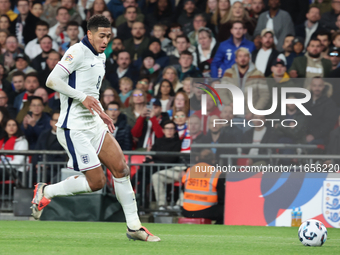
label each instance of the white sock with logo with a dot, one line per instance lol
(127, 199)
(71, 186)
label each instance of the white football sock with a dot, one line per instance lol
(72, 185)
(127, 199)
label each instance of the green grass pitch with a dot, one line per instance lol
(97, 238)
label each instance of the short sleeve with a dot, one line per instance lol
(72, 59)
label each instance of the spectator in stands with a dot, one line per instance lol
(230, 130)
(195, 129)
(324, 113)
(117, 46)
(5, 8)
(311, 64)
(123, 68)
(13, 140)
(325, 39)
(54, 101)
(4, 103)
(181, 103)
(198, 22)
(259, 134)
(264, 57)
(211, 8)
(50, 12)
(18, 85)
(195, 99)
(143, 84)
(211, 110)
(166, 95)
(138, 43)
(39, 62)
(32, 48)
(170, 142)
(148, 127)
(277, 20)
(4, 33)
(51, 61)
(280, 79)
(328, 19)
(187, 86)
(4, 117)
(311, 26)
(137, 104)
(36, 122)
(288, 50)
(130, 3)
(6, 85)
(5, 22)
(295, 133)
(70, 6)
(225, 55)
(72, 31)
(159, 31)
(257, 7)
(39, 92)
(205, 50)
(186, 67)
(160, 56)
(197, 206)
(149, 67)
(12, 50)
(31, 83)
(24, 25)
(244, 74)
(109, 95)
(21, 64)
(124, 30)
(125, 86)
(238, 13)
(163, 14)
(58, 31)
(48, 141)
(182, 44)
(175, 31)
(187, 16)
(98, 7)
(323, 5)
(215, 135)
(334, 57)
(220, 16)
(37, 9)
(332, 147)
(169, 73)
(122, 132)
(336, 39)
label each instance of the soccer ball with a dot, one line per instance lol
(312, 233)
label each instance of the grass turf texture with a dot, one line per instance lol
(43, 237)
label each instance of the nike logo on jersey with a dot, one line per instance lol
(93, 65)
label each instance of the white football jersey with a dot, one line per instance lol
(86, 69)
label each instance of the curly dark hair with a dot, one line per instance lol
(96, 21)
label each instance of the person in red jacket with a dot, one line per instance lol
(148, 126)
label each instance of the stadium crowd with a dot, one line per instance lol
(157, 47)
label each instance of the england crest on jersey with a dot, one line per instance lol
(85, 158)
(331, 202)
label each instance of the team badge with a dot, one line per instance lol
(85, 158)
(69, 58)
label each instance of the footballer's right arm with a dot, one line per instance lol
(59, 75)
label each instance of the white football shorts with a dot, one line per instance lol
(82, 146)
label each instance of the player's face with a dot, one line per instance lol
(100, 38)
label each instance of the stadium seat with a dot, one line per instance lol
(193, 221)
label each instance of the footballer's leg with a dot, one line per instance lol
(113, 158)
(82, 158)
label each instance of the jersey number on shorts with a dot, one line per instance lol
(98, 83)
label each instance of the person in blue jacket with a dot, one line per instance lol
(225, 55)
